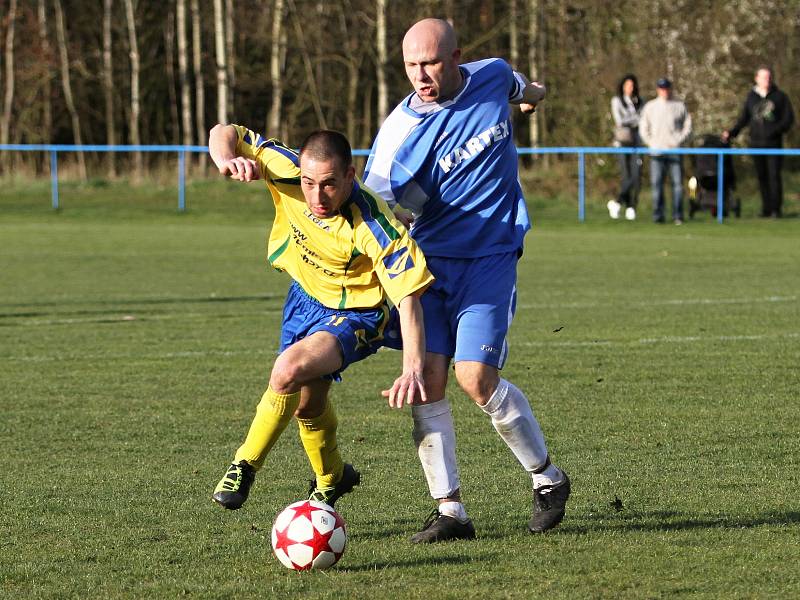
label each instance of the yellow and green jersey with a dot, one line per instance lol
(352, 260)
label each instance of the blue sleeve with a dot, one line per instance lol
(385, 173)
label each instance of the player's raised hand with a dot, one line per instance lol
(532, 95)
(406, 217)
(409, 388)
(241, 169)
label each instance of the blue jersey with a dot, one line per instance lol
(454, 166)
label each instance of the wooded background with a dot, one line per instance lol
(137, 71)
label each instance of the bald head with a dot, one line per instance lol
(431, 56)
(427, 31)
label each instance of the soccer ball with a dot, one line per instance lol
(308, 535)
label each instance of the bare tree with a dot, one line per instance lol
(199, 82)
(534, 72)
(231, 53)
(367, 130)
(135, 101)
(44, 41)
(108, 88)
(353, 59)
(67, 85)
(340, 64)
(8, 100)
(309, 69)
(513, 34)
(449, 11)
(383, 88)
(169, 56)
(277, 55)
(222, 66)
(183, 74)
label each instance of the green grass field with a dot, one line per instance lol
(662, 363)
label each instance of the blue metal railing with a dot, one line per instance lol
(581, 153)
(54, 149)
(718, 152)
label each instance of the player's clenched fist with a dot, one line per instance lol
(241, 169)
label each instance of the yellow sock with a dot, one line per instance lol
(319, 439)
(272, 416)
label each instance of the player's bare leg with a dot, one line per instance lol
(435, 438)
(305, 361)
(513, 419)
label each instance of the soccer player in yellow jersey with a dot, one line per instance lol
(348, 258)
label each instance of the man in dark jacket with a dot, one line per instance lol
(768, 112)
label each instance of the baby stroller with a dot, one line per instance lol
(703, 186)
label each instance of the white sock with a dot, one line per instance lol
(551, 476)
(455, 510)
(513, 419)
(435, 438)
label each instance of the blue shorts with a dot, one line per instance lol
(469, 307)
(359, 332)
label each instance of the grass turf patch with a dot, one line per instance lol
(661, 362)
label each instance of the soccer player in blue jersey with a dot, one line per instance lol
(446, 153)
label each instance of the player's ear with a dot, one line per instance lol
(350, 174)
(457, 55)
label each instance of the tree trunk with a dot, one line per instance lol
(169, 47)
(47, 108)
(367, 130)
(353, 64)
(135, 105)
(513, 34)
(534, 71)
(383, 88)
(230, 53)
(183, 75)
(8, 100)
(199, 84)
(309, 68)
(67, 85)
(517, 118)
(275, 63)
(222, 66)
(108, 89)
(449, 12)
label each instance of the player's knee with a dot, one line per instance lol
(475, 389)
(479, 383)
(286, 377)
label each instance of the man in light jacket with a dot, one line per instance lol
(665, 123)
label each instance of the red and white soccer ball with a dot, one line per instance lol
(308, 535)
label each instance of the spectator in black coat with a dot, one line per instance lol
(768, 112)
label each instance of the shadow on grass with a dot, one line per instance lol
(661, 520)
(136, 302)
(405, 528)
(111, 314)
(422, 561)
(399, 526)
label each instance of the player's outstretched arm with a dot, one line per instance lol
(222, 148)
(532, 94)
(409, 388)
